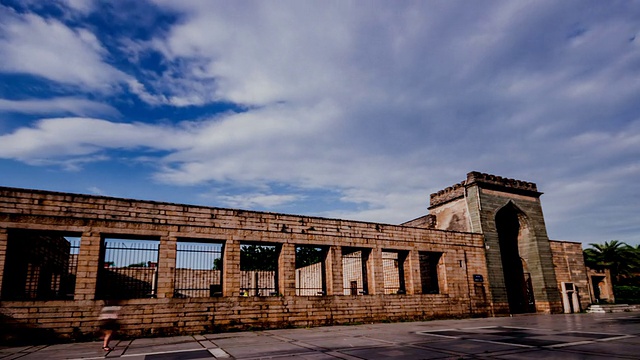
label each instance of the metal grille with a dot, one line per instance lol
(67, 280)
(258, 283)
(129, 269)
(42, 266)
(310, 271)
(198, 270)
(354, 272)
(393, 270)
(258, 270)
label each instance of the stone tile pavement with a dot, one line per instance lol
(573, 336)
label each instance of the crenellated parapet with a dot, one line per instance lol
(448, 194)
(486, 181)
(478, 177)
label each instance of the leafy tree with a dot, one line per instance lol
(615, 255)
(308, 255)
(217, 264)
(633, 277)
(258, 257)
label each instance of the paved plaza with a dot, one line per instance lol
(574, 336)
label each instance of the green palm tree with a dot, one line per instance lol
(614, 255)
(634, 261)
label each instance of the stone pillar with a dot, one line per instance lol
(412, 273)
(166, 270)
(444, 262)
(4, 238)
(375, 273)
(286, 270)
(88, 262)
(333, 275)
(231, 268)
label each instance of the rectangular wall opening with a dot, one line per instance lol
(393, 270)
(198, 268)
(310, 271)
(128, 268)
(354, 270)
(429, 262)
(258, 269)
(40, 265)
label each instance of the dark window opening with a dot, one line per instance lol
(310, 271)
(198, 269)
(258, 270)
(129, 269)
(429, 271)
(40, 265)
(354, 271)
(393, 270)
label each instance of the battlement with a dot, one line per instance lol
(451, 193)
(457, 191)
(478, 177)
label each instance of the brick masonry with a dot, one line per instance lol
(568, 263)
(94, 217)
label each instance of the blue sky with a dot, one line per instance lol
(345, 109)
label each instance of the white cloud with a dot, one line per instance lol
(46, 47)
(60, 105)
(256, 200)
(81, 6)
(61, 138)
(96, 190)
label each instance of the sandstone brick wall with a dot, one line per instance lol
(568, 262)
(94, 217)
(156, 317)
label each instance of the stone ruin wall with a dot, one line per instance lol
(93, 217)
(569, 266)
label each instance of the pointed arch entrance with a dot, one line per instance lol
(513, 231)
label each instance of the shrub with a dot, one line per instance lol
(627, 294)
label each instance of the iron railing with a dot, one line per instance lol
(393, 271)
(310, 271)
(258, 283)
(258, 270)
(198, 270)
(354, 272)
(42, 266)
(129, 269)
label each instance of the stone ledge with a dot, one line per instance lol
(612, 308)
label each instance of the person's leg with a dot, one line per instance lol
(107, 337)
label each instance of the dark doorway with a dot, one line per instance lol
(518, 284)
(354, 288)
(595, 285)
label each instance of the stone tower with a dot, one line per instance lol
(518, 254)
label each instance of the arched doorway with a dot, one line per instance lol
(511, 229)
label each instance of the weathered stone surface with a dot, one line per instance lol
(94, 217)
(461, 227)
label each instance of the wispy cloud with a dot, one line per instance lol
(60, 105)
(256, 200)
(74, 58)
(68, 137)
